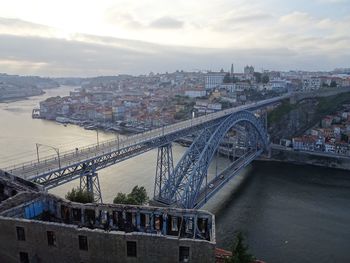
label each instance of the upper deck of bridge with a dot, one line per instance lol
(51, 163)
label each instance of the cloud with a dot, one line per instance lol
(333, 1)
(58, 57)
(297, 18)
(253, 17)
(167, 23)
(20, 27)
(123, 19)
(207, 38)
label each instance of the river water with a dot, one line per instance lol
(288, 213)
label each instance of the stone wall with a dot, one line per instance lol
(102, 246)
(298, 157)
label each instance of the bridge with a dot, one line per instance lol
(185, 186)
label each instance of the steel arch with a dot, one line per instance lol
(189, 183)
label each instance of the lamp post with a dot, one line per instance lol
(38, 145)
(193, 116)
(98, 142)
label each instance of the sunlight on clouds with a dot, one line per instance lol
(143, 31)
(29, 67)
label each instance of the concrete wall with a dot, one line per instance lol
(102, 246)
(310, 158)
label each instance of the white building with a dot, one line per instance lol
(312, 83)
(229, 87)
(205, 106)
(278, 85)
(195, 93)
(241, 86)
(213, 79)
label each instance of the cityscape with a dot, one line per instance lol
(144, 132)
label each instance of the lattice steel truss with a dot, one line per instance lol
(56, 177)
(90, 182)
(191, 170)
(164, 170)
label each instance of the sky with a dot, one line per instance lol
(109, 37)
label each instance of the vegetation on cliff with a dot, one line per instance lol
(329, 105)
(289, 120)
(276, 115)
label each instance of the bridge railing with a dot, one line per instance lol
(71, 156)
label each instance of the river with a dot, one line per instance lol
(288, 213)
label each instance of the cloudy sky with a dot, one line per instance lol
(109, 37)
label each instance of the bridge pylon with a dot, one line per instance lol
(164, 171)
(89, 182)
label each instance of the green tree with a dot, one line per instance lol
(240, 251)
(80, 196)
(333, 84)
(257, 76)
(227, 78)
(138, 196)
(121, 198)
(344, 137)
(265, 79)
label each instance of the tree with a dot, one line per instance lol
(80, 196)
(257, 76)
(121, 198)
(240, 251)
(138, 196)
(333, 84)
(265, 79)
(227, 78)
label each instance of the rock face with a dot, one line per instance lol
(296, 121)
(289, 120)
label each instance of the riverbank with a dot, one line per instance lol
(289, 213)
(287, 155)
(19, 98)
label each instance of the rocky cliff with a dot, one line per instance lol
(289, 120)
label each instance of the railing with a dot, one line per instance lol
(107, 146)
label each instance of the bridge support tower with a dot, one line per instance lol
(164, 171)
(89, 182)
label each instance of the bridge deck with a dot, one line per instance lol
(219, 181)
(49, 165)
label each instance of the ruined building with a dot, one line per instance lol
(40, 227)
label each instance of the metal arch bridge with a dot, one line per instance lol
(57, 170)
(186, 186)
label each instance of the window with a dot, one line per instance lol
(189, 225)
(51, 238)
(184, 254)
(20, 233)
(83, 243)
(131, 249)
(23, 257)
(174, 224)
(76, 214)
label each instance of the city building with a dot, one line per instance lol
(249, 70)
(311, 83)
(214, 79)
(195, 93)
(206, 107)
